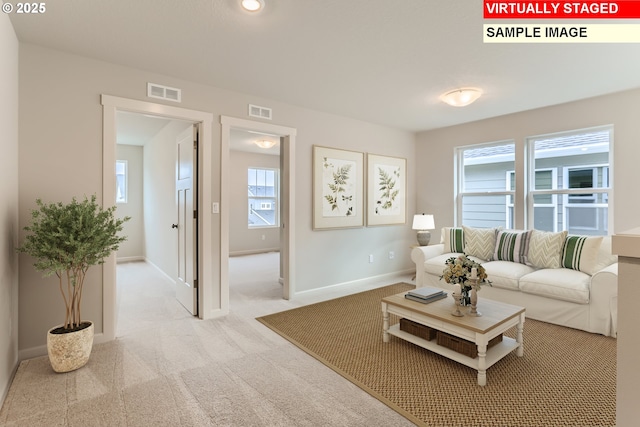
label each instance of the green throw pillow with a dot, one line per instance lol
(580, 253)
(453, 239)
(512, 246)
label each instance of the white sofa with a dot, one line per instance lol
(562, 296)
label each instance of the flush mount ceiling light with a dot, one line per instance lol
(461, 97)
(252, 5)
(264, 143)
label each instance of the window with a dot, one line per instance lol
(568, 183)
(121, 181)
(263, 196)
(485, 189)
(580, 195)
(544, 206)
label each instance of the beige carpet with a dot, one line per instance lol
(170, 369)
(566, 377)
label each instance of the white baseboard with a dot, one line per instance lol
(161, 271)
(32, 353)
(5, 388)
(359, 284)
(253, 252)
(41, 350)
(130, 259)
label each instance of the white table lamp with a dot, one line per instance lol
(423, 223)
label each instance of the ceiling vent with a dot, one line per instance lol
(260, 112)
(164, 92)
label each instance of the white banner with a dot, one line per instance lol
(561, 33)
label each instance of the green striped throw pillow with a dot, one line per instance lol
(580, 253)
(512, 246)
(453, 239)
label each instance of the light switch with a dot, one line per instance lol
(215, 207)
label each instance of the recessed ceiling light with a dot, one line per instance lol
(461, 97)
(252, 5)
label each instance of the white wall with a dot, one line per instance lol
(133, 247)
(435, 150)
(8, 204)
(160, 211)
(243, 240)
(62, 157)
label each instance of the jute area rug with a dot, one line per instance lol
(565, 378)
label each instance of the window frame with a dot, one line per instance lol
(565, 192)
(554, 197)
(460, 177)
(272, 200)
(125, 184)
(567, 204)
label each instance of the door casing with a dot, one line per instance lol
(287, 217)
(207, 294)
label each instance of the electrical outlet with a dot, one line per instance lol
(371, 258)
(264, 237)
(392, 255)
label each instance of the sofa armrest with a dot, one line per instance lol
(604, 297)
(419, 255)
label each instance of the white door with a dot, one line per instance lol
(186, 201)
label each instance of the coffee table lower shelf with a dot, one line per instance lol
(494, 354)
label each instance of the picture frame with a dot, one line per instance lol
(386, 190)
(338, 188)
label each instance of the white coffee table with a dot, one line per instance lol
(496, 318)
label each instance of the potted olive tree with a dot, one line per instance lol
(65, 240)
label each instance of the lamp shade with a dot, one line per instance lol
(423, 222)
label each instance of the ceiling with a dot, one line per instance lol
(138, 129)
(381, 61)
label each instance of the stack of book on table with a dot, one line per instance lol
(425, 295)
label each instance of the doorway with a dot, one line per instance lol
(152, 176)
(286, 136)
(111, 106)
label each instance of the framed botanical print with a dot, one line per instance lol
(338, 188)
(386, 190)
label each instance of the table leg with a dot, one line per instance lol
(519, 336)
(385, 323)
(482, 364)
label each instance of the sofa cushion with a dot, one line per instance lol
(581, 252)
(480, 242)
(545, 248)
(512, 246)
(453, 239)
(436, 265)
(558, 283)
(505, 274)
(604, 258)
